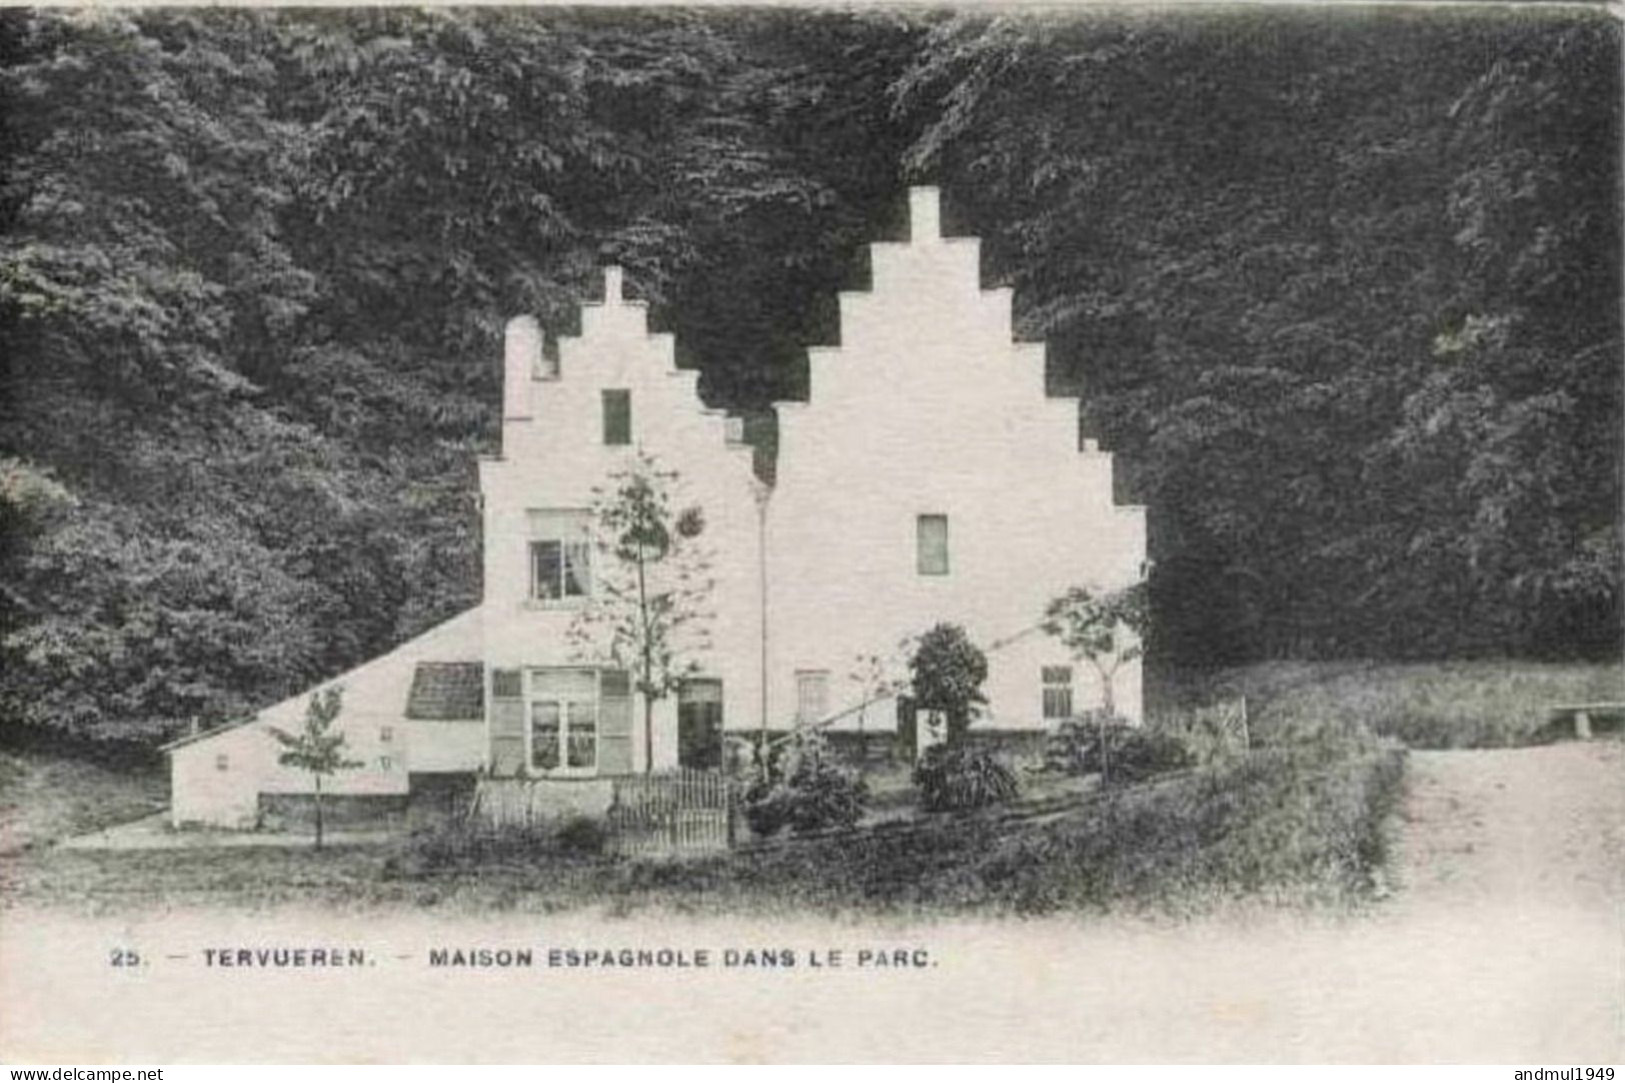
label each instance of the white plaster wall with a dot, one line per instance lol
(442, 746)
(928, 407)
(201, 793)
(375, 696)
(553, 457)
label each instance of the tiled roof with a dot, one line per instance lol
(447, 692)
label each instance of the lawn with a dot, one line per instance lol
(1478, 704)
(1277, 826)
(45, 797)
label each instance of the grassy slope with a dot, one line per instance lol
(44, 798)
(1176, 845)
(1427, 705)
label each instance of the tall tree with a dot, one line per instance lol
(648, 608)
(1341, 293)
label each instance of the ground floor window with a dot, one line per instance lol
(1057, 692)
(812, 695)
(563, 707)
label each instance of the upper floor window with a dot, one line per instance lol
(617, 416)
(1057, 692)
(812, 695)
(560, 556)
(931, 544)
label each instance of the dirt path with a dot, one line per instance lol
(1532, 828)
(1501, 941)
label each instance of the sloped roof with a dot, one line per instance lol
(447, 692)
(203, 735)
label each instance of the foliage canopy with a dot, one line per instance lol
(1342, 295)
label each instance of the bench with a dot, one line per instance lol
(1581, 714)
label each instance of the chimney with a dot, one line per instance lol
(522, 355)
(614, 293)
(924, 216)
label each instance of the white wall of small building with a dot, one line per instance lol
(377, 733)
(216, 781)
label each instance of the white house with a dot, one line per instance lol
(927, 478)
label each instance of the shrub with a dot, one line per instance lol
(1463, 704)
(1133, 753)
(1211, 734)
(581, 835)
(961, 778)
(805, 788)
(948, 671)
(762, 807)
(1066, 750)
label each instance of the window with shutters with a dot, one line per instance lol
(560, 556)
(931, 544)
(1057, 682)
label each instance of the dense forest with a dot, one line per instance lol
(1341, 288)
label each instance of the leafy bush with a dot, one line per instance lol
(961, 778)
(806, 788)
(1303, 824)
(1133, 753)
(581, 835)
(947, 674)
(1212, 733)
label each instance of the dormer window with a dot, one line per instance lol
(617, 417)
(560, 556)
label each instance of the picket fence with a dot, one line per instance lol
(672, 812)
